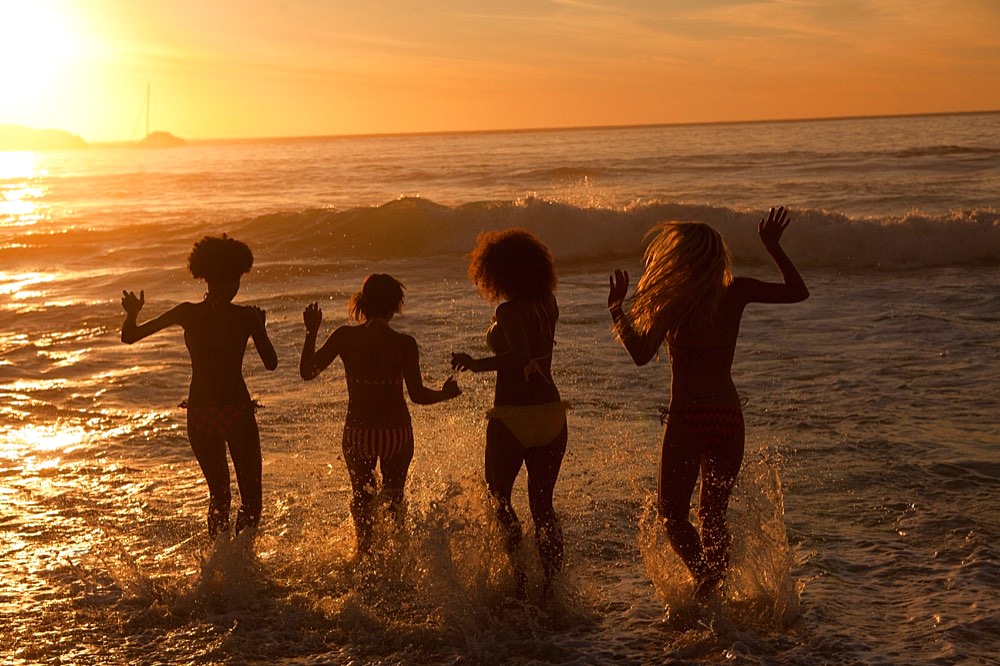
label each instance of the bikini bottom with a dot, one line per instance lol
(216, 421)
(369, 443)
(712, 422)
(532, 425)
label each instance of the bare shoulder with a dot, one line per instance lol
(182, 312)
(407, 342)
(743, 289)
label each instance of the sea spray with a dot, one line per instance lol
(759, 591)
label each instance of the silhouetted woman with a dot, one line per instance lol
(377, 362)
(527, 424)
(219, 408)
(688, 297)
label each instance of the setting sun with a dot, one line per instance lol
(36, 40)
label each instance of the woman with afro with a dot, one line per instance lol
(527, 425)
(220, 411)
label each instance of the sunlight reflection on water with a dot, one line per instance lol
(19, 195)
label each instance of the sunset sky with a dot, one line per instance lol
(252, 68)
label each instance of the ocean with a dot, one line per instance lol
(865, 517)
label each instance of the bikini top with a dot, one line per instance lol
(497, 342)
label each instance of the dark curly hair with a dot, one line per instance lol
(215, 258)
(381, 296)
(512, 264)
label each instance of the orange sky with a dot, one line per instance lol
(250, 68)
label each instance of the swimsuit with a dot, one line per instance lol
(712, 422)
(215, 421)
(371, 442)
(532, 425)
(497, 343)
(384, 443)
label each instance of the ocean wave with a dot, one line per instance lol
(415, 227)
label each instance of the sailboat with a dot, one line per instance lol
(157, 139)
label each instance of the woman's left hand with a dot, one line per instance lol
(461, 361)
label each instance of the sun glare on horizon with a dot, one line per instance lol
(37, 39)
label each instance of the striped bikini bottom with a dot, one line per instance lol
(385, 443)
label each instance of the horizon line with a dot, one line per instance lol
(571, 128)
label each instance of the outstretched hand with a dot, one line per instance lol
(450, 388)
(618, 289)
(313, 317)
(461, 361)
(132, 303)
(770, 230)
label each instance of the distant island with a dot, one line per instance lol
(160, 140)
(18, 137)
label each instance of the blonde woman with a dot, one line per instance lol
(688, 298)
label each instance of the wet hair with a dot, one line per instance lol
(688, 268)
(381, 296)
(512, 264)
(215, 258)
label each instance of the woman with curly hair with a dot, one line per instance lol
(527, 424)
(219, 408)
(377, 362)
(688, 298)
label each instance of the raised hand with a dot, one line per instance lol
(460, 361)
(770, 230)
(313, 317)
(132, 303)
(618, 289)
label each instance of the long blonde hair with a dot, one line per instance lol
(688, 268)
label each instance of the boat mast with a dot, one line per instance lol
(147, 108)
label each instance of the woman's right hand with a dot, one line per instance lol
(618, 289)
(770, 230)
(450, 388)
(132, 303)
(313, 317)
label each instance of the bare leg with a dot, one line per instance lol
(394, 471)
(679, 463)
(362, 473)
(244, 447)
(720, 465)
(543, 465)
(504, 456)
(211, 454)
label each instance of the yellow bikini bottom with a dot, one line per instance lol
(532, 425)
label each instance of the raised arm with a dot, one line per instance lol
(132, 331)
(420, 394)
(312, 361)
(793, 288)
(641, 347)
(258, 331)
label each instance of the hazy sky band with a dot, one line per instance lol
(313, 67)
